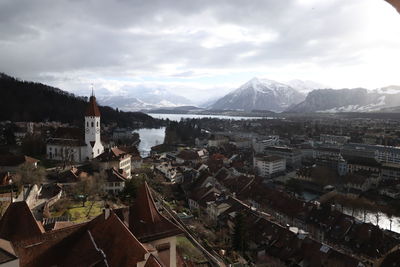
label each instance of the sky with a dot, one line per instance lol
(199, 49)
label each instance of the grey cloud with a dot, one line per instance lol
(39, 37)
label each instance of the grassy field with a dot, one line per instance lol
(188, 250)
(82, 214)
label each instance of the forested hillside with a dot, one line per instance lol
(30, 101)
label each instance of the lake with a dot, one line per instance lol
(149, 138)
(384, 221)
(178, 117)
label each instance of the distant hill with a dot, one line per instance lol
(30, 101)
(260, 94)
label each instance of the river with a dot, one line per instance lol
(150, 138)
(383, 219)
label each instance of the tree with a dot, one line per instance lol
(89, 187)
(130, 189)
(33, 145)
(29, 174)
(239, 233)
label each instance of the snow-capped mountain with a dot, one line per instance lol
(305, 86)
(349, 100)
(260, 94)
(135, 99)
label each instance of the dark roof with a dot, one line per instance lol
(92, 109)
(112, 154)
(188, 155)
(145, 222)
(69, 133)
(66, 142)
(18, 223)
(71, 176)
(392, 259)
(363, 161)
(113, 175)
(328, 149)
(268, 158)
(281, 149)
(15, 160)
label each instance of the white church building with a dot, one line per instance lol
(70, 145)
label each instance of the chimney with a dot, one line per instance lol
(106, 211)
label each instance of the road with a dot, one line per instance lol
(208, 252)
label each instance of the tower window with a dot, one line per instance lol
(97, 124)
(92, 124)
(87, 124)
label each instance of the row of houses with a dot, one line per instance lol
(210, 195)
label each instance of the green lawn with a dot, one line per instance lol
(188, 250)
(82, 214)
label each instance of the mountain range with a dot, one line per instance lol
(260, 94)
(144, 99)
(307, 96)
(350, 100)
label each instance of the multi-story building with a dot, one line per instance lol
(334, 139)
(384, 154)
(115, 158)
(260, 145)
(292, 155)
(269, 165)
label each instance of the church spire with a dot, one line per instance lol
(92, 110)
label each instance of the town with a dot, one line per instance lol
(272, 192)
(200, 133)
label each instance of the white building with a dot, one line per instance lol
(70, 145)
(115, 158)
(268, 166)
(260, 145)
(292, 155)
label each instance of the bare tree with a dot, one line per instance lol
(377, 216)
(29, 174)
(89, 187)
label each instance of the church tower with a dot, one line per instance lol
(92, 129)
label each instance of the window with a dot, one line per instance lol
(92, 124)
(87, 124)
(97, 124)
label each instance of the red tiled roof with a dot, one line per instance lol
(145, 222)
(113, 154)
(92, 109)
(100, 242)
(120, 246)
(18, 223)
(152, 262)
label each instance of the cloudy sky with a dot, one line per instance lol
(199, 49)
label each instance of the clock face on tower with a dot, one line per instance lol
(87, 130)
